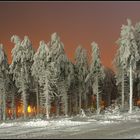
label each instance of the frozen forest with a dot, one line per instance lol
(45, 84)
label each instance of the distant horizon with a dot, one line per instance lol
(77, 23)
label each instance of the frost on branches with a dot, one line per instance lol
(20, 67)
(53, 86)
(96, 73)
(4, 81)
(81, 64)
(128, 55)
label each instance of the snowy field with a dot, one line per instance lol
(115, 125)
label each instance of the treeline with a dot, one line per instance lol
(48, 78)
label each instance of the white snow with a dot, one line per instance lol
(44, 123)
(6, 125)
(75, 125)
(106, 122)
(76, 120)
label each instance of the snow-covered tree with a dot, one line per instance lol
(38, 70)
(109, 86)
(57, 55)
(44, 71)
(120, 75)
(70, 84)
(20, 67)
(137, 72)
(4, 81)
(96, 73)
(50, 86)
(137, 35)
(82, 71)
(129, 53)
(11, 96)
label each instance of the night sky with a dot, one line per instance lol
(75, 22)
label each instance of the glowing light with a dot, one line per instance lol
(20, 109)
(9, 111)
(29, 109)
(138, 103)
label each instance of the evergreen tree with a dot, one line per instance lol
(20, 67)
(57, 55)
(82, 71)
(96, 73)
(137, 72)
(49, 91)
(38, 71)
(129, 54)
(120, 75)
(109, 86)
(4, 82)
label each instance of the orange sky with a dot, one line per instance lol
(75, 22)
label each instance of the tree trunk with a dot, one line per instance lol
(0, 107)
(47, 105)
(4, 106)
(79, 101)
(66, 104)
(13, 106)
(98, 105)
(85, 100)
(97, 99)
(24, 99)
(76, 103)
(37, 99)
(122, 90)
(57, 107)
(92, 103)
(131, 90)
(109, 98)
(70, 109)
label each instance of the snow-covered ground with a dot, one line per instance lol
(108, 125)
